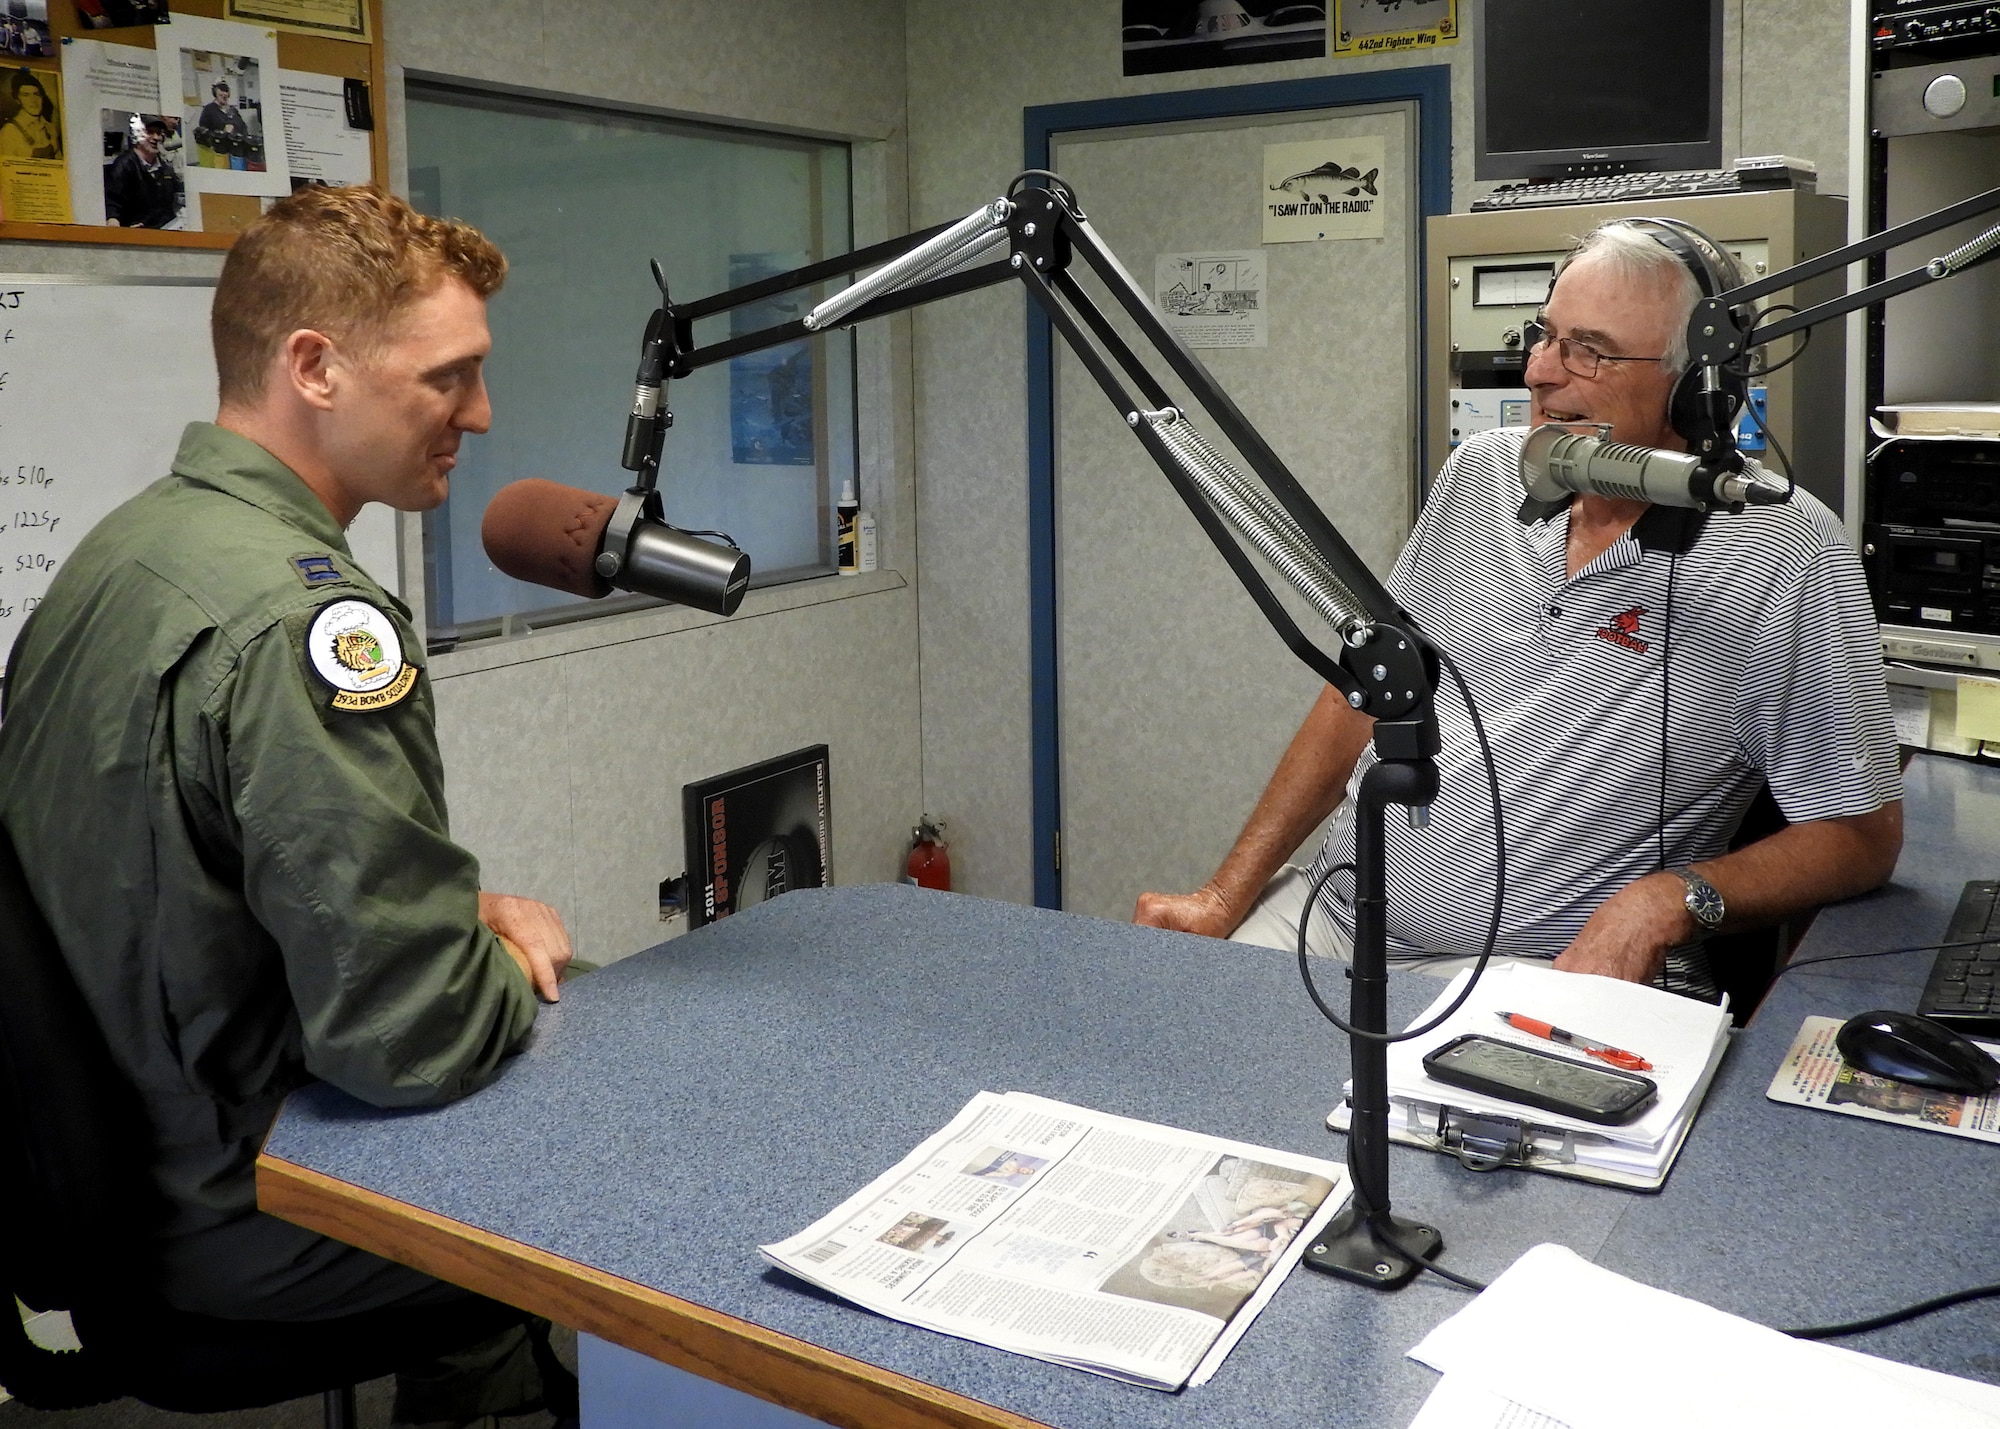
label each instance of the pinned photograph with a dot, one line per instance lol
(117, 14)
(143, 183)
(220, 80)
(34, 178)
(228, 128)
(24, 30)
(106, 87)
(1162, 36)
(33, 126)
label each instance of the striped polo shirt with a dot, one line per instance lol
(1772, 671)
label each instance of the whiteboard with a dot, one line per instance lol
(97, 378)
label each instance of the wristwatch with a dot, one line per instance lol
(1704, 901)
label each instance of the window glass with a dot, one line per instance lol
(580, 200)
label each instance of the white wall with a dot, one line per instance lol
(972, 69)
(566, 752)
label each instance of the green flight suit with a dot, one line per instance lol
(253, 887)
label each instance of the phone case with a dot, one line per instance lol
(1641, 1090)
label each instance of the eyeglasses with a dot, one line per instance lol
(1577, 358)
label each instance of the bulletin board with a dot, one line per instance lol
(221, 215)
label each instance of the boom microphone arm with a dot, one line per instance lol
(1031, 236)
(1716, 337)
(1379, 661)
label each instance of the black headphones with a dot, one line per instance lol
(1688, 411)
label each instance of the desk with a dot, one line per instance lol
(683, 1106)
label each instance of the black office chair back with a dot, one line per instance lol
(1745, 964)
(78, 1213)
(73, 1189)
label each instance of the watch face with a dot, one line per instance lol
(1702, 900)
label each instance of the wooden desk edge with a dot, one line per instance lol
(731, 1351)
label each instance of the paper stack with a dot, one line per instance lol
(1682, 1038)
(1940, 419)
(1552, 1344)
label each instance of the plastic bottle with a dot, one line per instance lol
(929, 864)
(864, 541)
(844, 512)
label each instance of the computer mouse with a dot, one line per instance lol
(1908, 1048)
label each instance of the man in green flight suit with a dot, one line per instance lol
(220, 768)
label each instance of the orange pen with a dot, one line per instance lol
(1617, 1057)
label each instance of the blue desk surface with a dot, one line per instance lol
(683, 1106)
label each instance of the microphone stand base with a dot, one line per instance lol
(1352, 1249)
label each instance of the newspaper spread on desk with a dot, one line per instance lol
(1814, 1074)
(1112, 1245)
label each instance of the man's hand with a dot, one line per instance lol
(1203, 911)
(534, 937)
(1309, 781)
(1631, 932)
(1799, 867)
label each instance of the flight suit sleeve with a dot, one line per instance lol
(403, 996)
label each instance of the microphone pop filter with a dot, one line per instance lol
(548, 534)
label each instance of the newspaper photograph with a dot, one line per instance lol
(1117, 1246)
(1813, 1074)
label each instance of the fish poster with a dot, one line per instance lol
(1323, 188)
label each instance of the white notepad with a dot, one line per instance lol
(1682, 1038)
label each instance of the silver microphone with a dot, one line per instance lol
(1557, 461)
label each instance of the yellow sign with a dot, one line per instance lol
(34, 181)
(1374, 27)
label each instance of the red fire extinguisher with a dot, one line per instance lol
(929, 864)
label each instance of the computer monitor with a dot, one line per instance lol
(1568, 88)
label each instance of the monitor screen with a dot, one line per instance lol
(1597, 86)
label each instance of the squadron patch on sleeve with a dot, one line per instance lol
(353, 646)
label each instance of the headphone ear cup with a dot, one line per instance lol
(1687, 411)
(1684, 408)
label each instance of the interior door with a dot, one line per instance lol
(1176, 698)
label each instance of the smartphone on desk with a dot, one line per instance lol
(1541, 1079)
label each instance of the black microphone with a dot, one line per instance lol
(559, 536)
(1556, 461)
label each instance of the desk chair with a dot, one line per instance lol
(76, 1214)
(1745, 964)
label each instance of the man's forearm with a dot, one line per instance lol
(1309, 784)
(1805, 865)
(1797, 868)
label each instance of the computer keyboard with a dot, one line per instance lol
(1749, 176)
(1961, 992)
